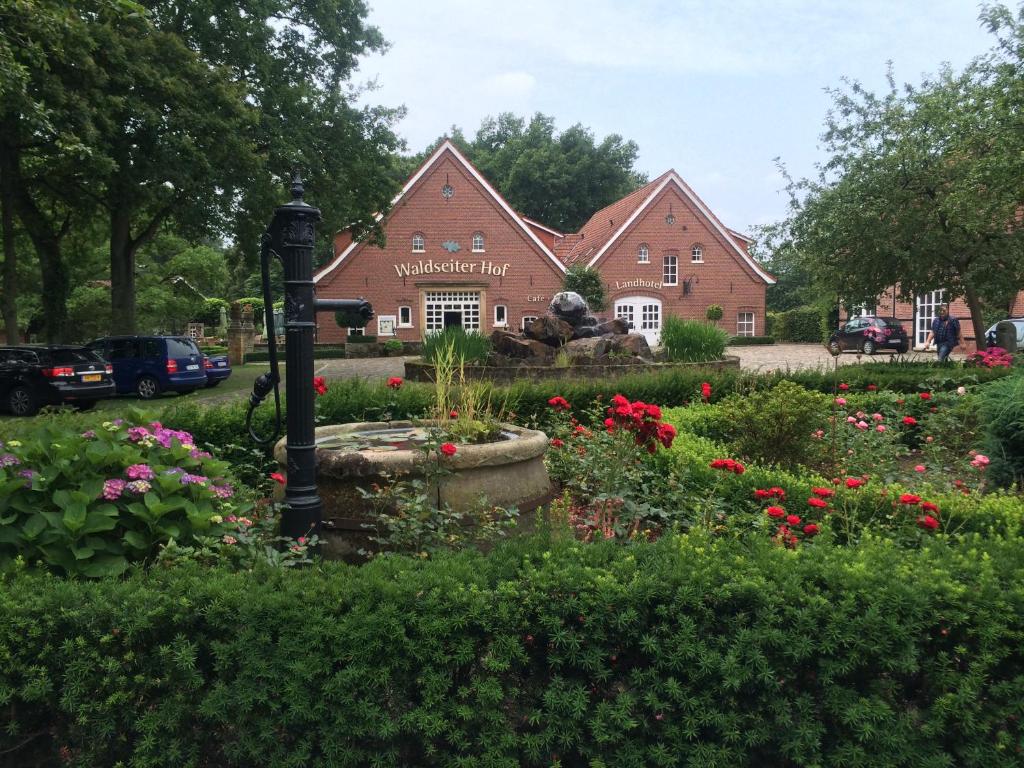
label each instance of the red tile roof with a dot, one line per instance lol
(604, 224)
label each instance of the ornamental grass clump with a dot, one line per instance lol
(91, 501)
(692, 341)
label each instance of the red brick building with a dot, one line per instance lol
(456, 253)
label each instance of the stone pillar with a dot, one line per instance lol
(248, 329)
(236, 345)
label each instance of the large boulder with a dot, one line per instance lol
(510, 345)
(634, 344)
(617, 325)
(589, 349)
(550, 330)
(569, 306)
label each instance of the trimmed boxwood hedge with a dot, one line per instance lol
(688, 652)
(750, 341)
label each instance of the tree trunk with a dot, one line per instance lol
(55, 280)
(9, 309)
(122, 272)
(977, 317)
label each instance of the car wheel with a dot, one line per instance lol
(147, 387)
(868, 347)
(213, 383)
(834, 349)
(21, 402)
(86, 405)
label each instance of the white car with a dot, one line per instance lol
(990, 334)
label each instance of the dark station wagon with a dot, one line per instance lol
(149, 365)
(870, 335)
(31, 377)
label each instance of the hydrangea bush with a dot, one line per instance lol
(92, 501)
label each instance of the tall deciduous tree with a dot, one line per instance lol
(923, 185)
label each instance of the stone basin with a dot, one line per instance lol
(507, 472)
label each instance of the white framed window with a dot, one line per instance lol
(861, 310)
(478, 242)
(419, 243)
(386, 325)
(744, 323)
(500, 314)
(405, 317)
(527, 319)
(697, 254)
(643, 254)
(357, 331)
(670, 270)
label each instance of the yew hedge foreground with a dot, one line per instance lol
(686, 652)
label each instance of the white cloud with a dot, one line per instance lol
(515, 85)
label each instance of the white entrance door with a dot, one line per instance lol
(924, 313)
(643, 314)
(447, 308)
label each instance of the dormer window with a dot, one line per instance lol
(697, 254)
(643, 254)
(478, 242)
(419, 244)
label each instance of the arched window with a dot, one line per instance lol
(697, 254)
(419, 245)
(478, 242)
(643, 254)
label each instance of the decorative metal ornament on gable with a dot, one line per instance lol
(290, 237)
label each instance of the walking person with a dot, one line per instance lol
(945, 333)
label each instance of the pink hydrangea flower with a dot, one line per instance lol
(140, 472)
(223, 491)
(112, 489)
(138, 486)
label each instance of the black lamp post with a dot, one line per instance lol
(290, 237)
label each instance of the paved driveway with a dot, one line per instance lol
(762, 358)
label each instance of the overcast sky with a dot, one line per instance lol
(715, 90)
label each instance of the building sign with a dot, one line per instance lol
(638, 283)
(431, 267)
(536, 299)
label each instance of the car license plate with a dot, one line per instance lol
(91, 377)
(191, 367)
(221, 365)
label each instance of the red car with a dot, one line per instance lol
(870, 335)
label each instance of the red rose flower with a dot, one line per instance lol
(929, 506)
(448, 449)
(810, 529)
(910, 421)
(454, 414)
(823, 492)
(793, 519)
(705, 391)
(666, 434)
(277, 477)
(844, 387)
(926, 395)
(909, 498)
(872, 387)
(559, 403)
(814, 501)
(928, 522)
(394, 382)
(777, 492)
(556, 443)
(854, 482)
(760, 493)
(775, 512)
(319, 385)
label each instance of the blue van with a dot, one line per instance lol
(149, 365)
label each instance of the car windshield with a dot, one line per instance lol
(181, 348)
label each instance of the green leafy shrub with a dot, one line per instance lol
(360, 339)
(692, 341)
(210, 313)
(1001, 410)
(393, 346)
(803, 324)
(470, 347)
(587, 282)
(693, 651)
(774, 426)
(91, 501)
(713, 312)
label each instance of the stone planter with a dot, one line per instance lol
(508, 473)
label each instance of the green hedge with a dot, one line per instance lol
(803, 324)
(688, 652)
(750, 341)
(320, 352)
